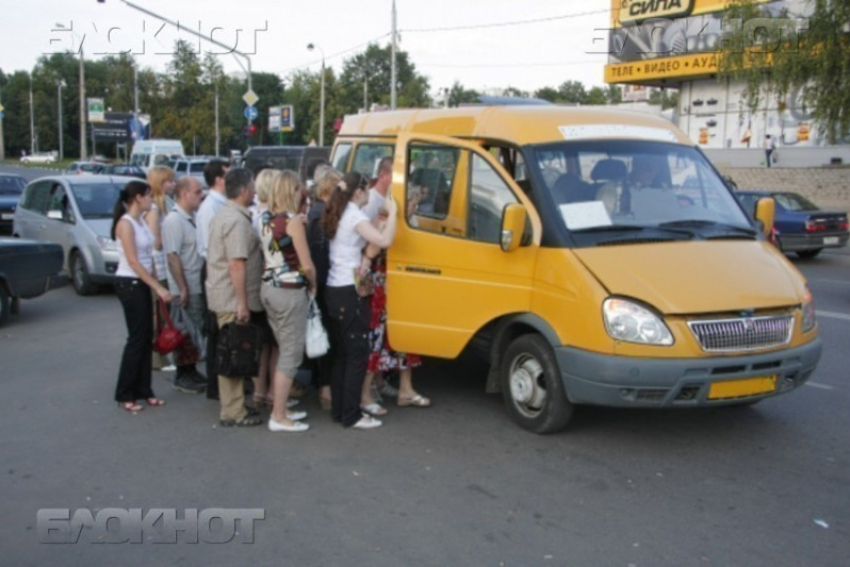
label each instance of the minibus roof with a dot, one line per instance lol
(520, 125)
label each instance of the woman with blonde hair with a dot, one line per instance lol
(288, 277)
(162, 183)
(327, 179)
(264, 382)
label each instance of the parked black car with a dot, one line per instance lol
(11, 187)
(28, 268)
(301, 159)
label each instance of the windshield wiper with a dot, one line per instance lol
(633, 228)
(712, 224)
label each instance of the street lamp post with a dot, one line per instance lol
(32, 122)
(311, 47)
(59, 88)
(83, 150)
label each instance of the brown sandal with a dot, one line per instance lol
(131, 407)
(417, 401)
(155, 402)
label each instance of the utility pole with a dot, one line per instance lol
(393, 64)
(61, 134)
(32, 121)
(217, 134)
(83, 150)
(2, 144)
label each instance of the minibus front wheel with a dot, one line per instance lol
(532, 388)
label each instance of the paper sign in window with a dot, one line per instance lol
(585, 215)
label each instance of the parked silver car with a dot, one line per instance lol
(75, 212)
(193, 166)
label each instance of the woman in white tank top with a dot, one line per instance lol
(133, 285)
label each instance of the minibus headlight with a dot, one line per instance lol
(809, 318)
(627, 321)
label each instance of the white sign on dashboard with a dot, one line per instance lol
(585, 215)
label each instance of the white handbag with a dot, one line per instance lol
(317, 338)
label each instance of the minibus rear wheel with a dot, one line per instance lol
(531, 385)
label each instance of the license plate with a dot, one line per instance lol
(7, 216)
(741, 388)
(830, 240)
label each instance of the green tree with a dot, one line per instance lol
(667, 99)
(459, 95)
(572, 91)
(548, 93)
(614, 94)
(596, 95)
(373, 65)
(772, 58)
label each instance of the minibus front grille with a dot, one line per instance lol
(743, 334)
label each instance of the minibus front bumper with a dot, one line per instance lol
(619, 381)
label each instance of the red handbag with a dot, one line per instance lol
(168, 337)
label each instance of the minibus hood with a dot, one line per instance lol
(697, 277)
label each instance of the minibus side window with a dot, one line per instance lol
(489, 195)
(367, 157)
(429, 184)
(340, 159)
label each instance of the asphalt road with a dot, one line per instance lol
(455, 484)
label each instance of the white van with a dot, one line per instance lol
(148, 153)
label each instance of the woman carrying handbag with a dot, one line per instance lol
(133, 285)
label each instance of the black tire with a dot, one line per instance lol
(4, 305)
(80, 275)
(809, 254)
(532, 388)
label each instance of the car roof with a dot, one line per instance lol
(529, 124)
(89, 179)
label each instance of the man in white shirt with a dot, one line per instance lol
(378, 192)
(214, 173)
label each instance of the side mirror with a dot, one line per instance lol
(765, 214)
(513, 227)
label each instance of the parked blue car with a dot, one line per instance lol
(801, 226)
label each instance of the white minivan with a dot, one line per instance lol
(148, 153)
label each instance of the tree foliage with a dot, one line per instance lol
(772, 55)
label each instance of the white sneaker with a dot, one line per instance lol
(169, 368)
(368, 422)
(296, 415)
(296, 426)
(290, 403)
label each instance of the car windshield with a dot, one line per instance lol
(11, 185)
(96, 201)
(638, 190)
(794, 202)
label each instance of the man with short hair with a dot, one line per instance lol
(378, 192)
(234, 271)
(214, 173)
(179, 243)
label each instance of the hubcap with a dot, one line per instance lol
(528, 389)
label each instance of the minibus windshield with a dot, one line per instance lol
(630, 187)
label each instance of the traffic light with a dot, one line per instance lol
(249, 131)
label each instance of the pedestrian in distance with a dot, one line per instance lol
(769, 149)
(134, 280)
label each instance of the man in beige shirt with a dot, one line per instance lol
(234, 271)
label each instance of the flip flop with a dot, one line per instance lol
(155, 402)
(417, 401)
(131, 407)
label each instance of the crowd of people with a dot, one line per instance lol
(256, 250)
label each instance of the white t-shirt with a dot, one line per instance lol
(211, 205)
(375, 204)
(144, 250)
(346, 248)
